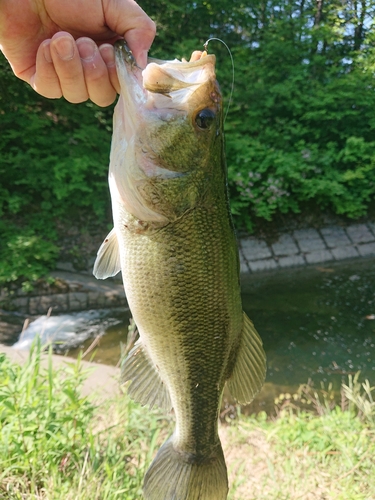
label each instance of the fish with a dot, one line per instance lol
(175, 243)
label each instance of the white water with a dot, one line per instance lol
(67, 330)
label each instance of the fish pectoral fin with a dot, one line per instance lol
(147, 387)
(250, 368)
(107, 262)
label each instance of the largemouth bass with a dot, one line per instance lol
(174, 241)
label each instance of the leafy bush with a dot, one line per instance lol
(267, 180)
(24, 256)
(53, 166)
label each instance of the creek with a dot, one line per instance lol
(317, 324)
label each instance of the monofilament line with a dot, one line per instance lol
(205, 45)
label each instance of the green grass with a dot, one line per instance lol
(56, 444)
(324, 453)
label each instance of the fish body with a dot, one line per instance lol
(174, 241)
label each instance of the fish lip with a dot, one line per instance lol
(139, 86)
(123, 53)
(130, 77)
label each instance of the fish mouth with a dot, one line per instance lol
(170, 86)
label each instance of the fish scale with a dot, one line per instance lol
(187, 312)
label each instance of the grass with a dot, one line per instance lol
(55, 443)
(324, 453)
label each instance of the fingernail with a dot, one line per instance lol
(64, 47)
(108, 55)
(47, 53)
(142, 59)
(87, 50)
(32, 81)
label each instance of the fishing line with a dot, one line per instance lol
(205, 45)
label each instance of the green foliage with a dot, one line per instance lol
(24, 256)
(53, 165)
(300, 128)
(53, 159)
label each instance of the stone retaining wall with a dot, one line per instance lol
(82, 292)
(297, 248)
(308, 246)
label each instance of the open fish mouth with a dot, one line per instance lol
(166, 86)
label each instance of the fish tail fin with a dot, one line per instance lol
(184, 476)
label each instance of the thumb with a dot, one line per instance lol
(126, 18)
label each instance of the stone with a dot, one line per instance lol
(291, 260)
(74, 286)
(254, 249)
(345, 252)
(41, 304)
(367, 249)
(262, 265)
(58, 302)
(318, 256)
(65, 266)
(360, 233)
(77, 301)
(92, 298)
(244, 268)
(21, 304)
(90, 263)
(34, 305)
(112, 299)
(285, 245)
(335, 236)
(309, 240)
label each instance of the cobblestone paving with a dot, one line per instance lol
(308, 246)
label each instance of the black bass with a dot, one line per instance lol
(174, 241)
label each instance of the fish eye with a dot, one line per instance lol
(205, 118)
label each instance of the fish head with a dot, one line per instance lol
(167, 144)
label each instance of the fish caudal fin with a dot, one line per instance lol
(107, 262)
(250, 369)
(183, 476)
(146, 388)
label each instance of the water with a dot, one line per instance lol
(68, 331)
(315, 324)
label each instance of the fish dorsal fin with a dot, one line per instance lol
(250, 368)
(146, 388)
(107, 262)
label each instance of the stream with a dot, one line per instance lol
(317, 324)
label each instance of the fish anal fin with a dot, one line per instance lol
(250, 366)
(107, 262)
(176, 475)
(146, 388)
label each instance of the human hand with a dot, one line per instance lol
(64, 48)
